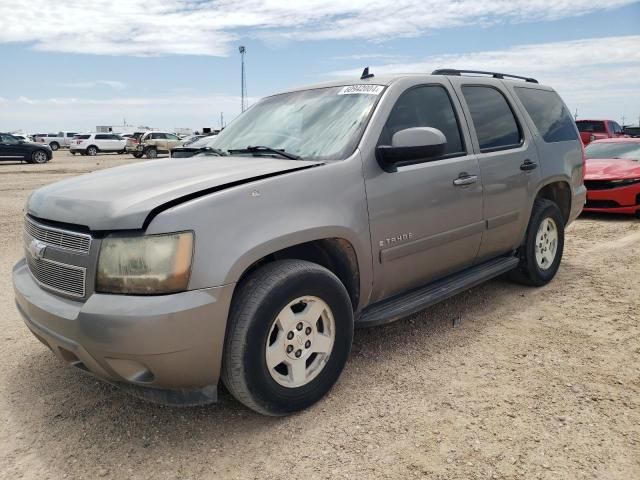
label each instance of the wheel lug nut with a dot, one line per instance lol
(289, 348)
(299, 326)
(290, 335)
(308, 331)
(298, 353)
(307, 344)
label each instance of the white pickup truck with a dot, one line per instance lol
(56, 140)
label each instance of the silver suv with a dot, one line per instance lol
(342, 205)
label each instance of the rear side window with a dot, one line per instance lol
(158, 136)
(70, 134)
(425, 106)
(548, 113)
(82, 137)
(103, 137)
(493, 119)
(591, 126)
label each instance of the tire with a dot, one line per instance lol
(72, 153)
(92, 151)
(264, 301)
(39, 157)
(151, 153)
(539, 263)
(54, 146)
(138, 154)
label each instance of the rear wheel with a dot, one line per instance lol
(138, 154)
(39, 156)
(541, 253)
(93, 151)
(152, 153)
(54, 146)
(289, 336)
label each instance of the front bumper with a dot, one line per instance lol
(169, 346)
(614, 200)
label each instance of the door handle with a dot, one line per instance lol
(528, 165)
(465, 179)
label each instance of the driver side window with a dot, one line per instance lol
(425, 106)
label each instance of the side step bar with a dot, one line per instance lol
(403, 305)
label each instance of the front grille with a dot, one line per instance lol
(60, 277)
(601, 204)
(605, 184)
(74, 241)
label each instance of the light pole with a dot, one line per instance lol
(243, 81)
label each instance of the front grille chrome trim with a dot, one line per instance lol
(62, 280)
(63, 239)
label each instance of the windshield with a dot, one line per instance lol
(319, 124)
(626, 150)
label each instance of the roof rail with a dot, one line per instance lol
(453, 71)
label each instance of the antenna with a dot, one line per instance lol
(243, 81)
(366, 74)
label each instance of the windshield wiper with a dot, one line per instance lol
(263, 149)
(214, 151)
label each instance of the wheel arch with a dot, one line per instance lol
(337, 255)
(559, 192)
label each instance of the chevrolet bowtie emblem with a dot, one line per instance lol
(37, 248)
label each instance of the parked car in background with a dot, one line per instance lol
(24, 138)
(613, 176)
(132, 143)
(200, 145)
(631, 131)
(355, 203)
(56, 140)
(151, 144)
(189, 139)
(94, 143)
(591, 130)
(13, 148)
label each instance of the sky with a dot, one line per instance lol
(75, 64)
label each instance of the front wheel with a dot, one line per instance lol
(289, 337)
(92, 151)
(54, 146)
(541, 252)
(39, 156)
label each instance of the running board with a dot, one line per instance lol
(406, 304)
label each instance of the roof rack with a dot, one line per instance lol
(453, 71)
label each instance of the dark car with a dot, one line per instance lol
(12, 148)
(201, 145)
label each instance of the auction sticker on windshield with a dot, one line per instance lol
(357, 89)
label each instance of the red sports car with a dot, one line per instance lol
(613, 176)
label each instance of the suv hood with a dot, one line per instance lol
(612, 169)
(121, 198)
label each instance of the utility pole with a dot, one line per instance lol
(243, 81)
(221, 120)
(575, 115)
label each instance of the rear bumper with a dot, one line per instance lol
(614, 200)
(168, 346)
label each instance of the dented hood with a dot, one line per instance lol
(121, 198)
(612, 169)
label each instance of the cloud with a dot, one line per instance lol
(96, 83)
(600, 75)
(213, 27)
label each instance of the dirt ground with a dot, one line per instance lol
(530, 383)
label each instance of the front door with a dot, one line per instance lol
(426, 218)
(508, 162)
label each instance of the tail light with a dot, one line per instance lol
(584, 161)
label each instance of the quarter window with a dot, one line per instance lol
(549, 114)
(493, 119)
(425, 106)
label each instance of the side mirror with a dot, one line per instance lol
(410, 145)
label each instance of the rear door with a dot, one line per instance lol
(172, 141)
(508, 162)
(103, 142)
(10, 147)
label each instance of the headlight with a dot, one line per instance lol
(145, 264)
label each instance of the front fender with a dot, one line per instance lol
(236, 227)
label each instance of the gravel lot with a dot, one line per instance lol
(530, 383)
